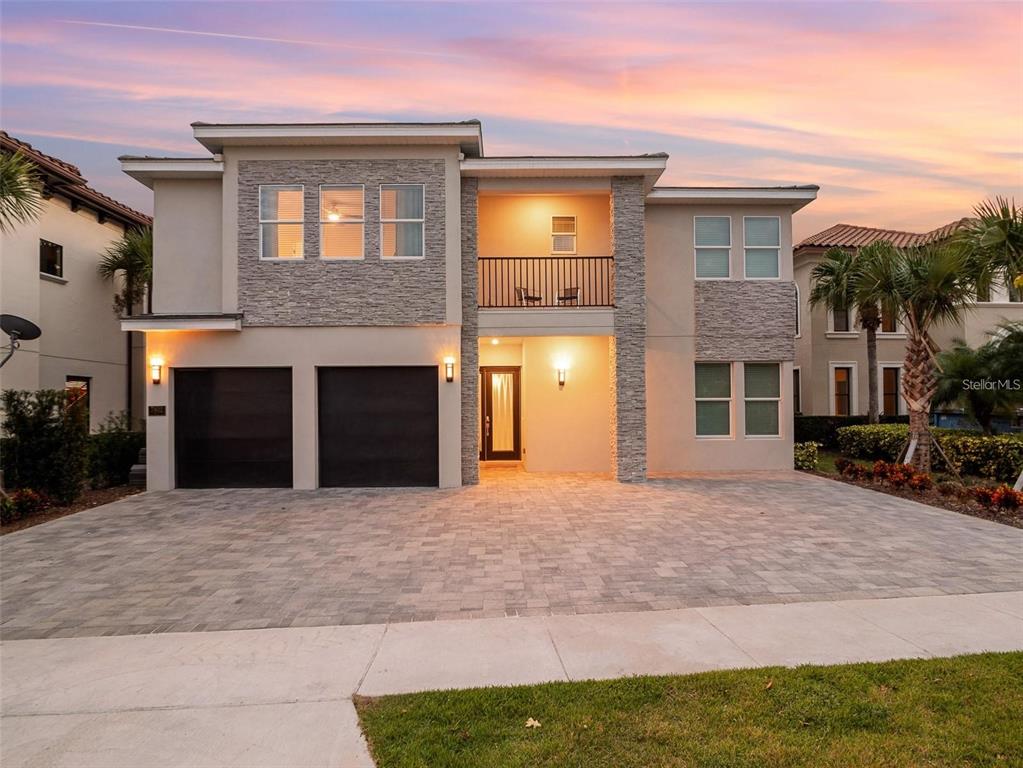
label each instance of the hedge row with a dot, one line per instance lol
(824, 429)
(999, 457)
(109, 457)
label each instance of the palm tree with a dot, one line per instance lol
(20, 199)
(131, 260)
(837, 282)
(995, 238)
(963, 363)
(928, 286)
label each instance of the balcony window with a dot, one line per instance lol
(762, 241)
(712, 241)
(281, 221)
(402, 216)
(763, 396)
(713, 399)
(342, 221)
(563, 235)
(51, 258)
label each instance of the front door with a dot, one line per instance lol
(499, 396)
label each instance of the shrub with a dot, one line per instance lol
(22, 503)
(920, 481)
(46, 447)
(900, 475)
(805, 455)
(983, 495)
(999, 457)
(953, 489)
(842, 463)
(824, 429)
(113, 450)
(881, 469)
(1006, 498)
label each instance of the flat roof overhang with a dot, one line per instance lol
(794, 197)
(650, 167)
(467, 135)
(183, 322)
(148, 169)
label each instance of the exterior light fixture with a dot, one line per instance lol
(449, 369)
(156, 368)
(561, 378)
(333, 216)
(495, 341)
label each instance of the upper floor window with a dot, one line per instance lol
(762, 241)
(51, 258)
(342, 221)
(712, 241)
(402, 215)
(563, 234)
(281, 215)
(889, 322)
(841, 321)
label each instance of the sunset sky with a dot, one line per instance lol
(906, 114)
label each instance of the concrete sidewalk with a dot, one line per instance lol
(282, 697)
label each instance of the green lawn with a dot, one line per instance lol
(965, 711)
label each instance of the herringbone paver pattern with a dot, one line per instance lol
(515, 544)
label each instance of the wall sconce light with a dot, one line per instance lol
(156, 368)
(561, 378)
(449, 369)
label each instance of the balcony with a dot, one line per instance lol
(545, 282)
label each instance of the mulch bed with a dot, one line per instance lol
(89, 499)
(1011, 517)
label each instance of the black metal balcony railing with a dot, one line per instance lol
(546, 281)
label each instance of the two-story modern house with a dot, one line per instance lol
(830, 376)
(384, 304)
(48, 274)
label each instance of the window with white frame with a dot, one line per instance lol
(402, 218)
(797, 392)
(713, 399)
(841, 319)
(563, 235)
(889, 322)
(712, 242)
(342, 221)
(762, 244)
(842, 390)
(281, 221)
(762, 392)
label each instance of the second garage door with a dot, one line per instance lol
(378, 426)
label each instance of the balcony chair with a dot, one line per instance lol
(526, 299)
(568, 296)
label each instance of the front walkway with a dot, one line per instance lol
(282, 697)
(517, 545)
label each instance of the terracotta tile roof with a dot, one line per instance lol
(851, 236)
(66, 180)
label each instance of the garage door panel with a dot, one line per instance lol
(233, 427)
(378, 426)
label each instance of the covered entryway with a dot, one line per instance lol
(378, 426)
(233, 427)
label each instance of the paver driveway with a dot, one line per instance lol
(517, 544)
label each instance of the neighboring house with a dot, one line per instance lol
(831, 349)
(48, 275)
(383, 304)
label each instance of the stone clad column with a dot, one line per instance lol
(628, 346)
(469, 363)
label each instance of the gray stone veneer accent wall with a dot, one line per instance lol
(470, 336)
(314, 291)
(628, 347)
(749, 320)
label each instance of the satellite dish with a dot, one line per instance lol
(17, 328)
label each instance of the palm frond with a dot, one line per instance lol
(20, 199)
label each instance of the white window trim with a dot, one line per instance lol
(898, 333)
(853, 387)
(799, 312)
(574, 233)
(697, 247)
(901, 409)
(797, 392)
(760, 248)
(730, 400)
(262, 221)
(850, 334)
(380, 195)
(361, 220)
(775, 400)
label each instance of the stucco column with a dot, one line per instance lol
(469, 363)
(628, 346)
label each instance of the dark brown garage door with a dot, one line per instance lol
(233, 427)
(378, 426)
